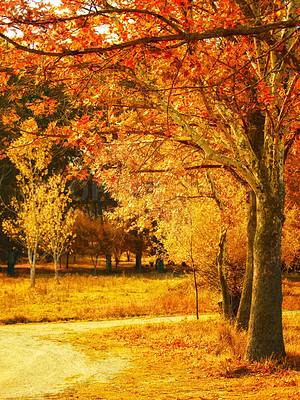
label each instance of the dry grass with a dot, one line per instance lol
(291, 292)
(81, 296)
(84, 297)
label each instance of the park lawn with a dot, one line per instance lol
(87, 297)
(188, 360)
(81, 296)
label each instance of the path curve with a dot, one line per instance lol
(36, 359)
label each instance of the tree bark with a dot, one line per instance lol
(31, 257)
(265, 338)
(226, 302)
(55, 259)
(138, 261)
(108, 262)
(243, 315)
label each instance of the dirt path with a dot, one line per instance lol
(36, 359)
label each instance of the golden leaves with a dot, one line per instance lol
(29, 126)
(10, 117)
(42, 215)
(30, 153)
(45, 107)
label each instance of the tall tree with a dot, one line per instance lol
(220, 78)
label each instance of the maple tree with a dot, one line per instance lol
(219, 80)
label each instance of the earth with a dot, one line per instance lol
(37, 359)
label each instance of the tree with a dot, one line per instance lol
(291, 232)
(219, 78)
(89, 237)
(98, 237)
(26, 225)
(207, 233)
(9, 250)
(57, 219)
(42, 218)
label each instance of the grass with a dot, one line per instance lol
(180, 361)
(85, 297)
(81, 296)
(291, 292)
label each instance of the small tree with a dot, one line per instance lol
(88, 233)
(57, 219)
(25, 227)
(208, 238)
(31, 158)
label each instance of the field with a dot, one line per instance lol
(80, 295)
(185, 360)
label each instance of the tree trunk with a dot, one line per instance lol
(265, 337)
(11, 262)
(138, 261)
(160, 265)
(95, 263)
(196, 293)
(31, 257)
(243, 315)
(67, 260)
(108, 262)
(226, 302)
(55, 259)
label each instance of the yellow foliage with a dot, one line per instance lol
(30, 154)
(191, 232)
(57, 218)
(291, 236)
(42, 219)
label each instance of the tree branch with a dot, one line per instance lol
(55, 20)
(186, 37)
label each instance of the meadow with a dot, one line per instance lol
(186, 360)
(82, 296)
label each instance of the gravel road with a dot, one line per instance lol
(37, 359)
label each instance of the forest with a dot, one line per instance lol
(167, 131)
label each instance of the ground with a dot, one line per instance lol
(43, 361)
(100, 352)
(134, 358)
